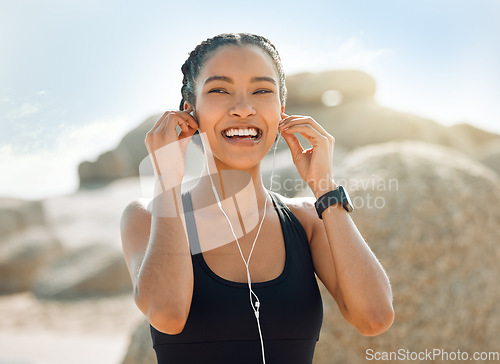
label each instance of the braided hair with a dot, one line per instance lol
(194, 64)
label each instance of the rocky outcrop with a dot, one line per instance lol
(27, 244)
(90, 271)
(23, 255)
(355, 119)
(490, 155)
(121, 162)
(140, 349)
(478, 137)
(308, 89)
(430, 215)
(17, 214)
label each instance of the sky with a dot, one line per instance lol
(75, 76)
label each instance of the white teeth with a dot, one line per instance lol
(241, 132)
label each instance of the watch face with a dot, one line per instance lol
(347, 201)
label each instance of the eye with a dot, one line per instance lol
(263, 91)
(217, 91)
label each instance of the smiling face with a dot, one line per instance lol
(238, 105)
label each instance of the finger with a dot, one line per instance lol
(186, 130)
(308, 132)
(189, 119)
(180, 118)
(184, 126)
(297, 119)
(188, 126)
(300, 119)
(293, 144)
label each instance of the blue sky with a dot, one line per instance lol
(75, 76)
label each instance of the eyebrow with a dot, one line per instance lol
(229, 80)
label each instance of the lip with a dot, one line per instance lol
(242, 141)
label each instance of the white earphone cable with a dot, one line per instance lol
(247, 262)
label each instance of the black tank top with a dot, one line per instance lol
(221, 327)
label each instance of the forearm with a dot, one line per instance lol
(362, 283)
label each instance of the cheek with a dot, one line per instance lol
(207, 113)
(269, 107)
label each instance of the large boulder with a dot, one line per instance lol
(92, 216)
(17, 214)
(26, 243)
(308, 89)
(478, 137)
(90, 271)
(430, 214)
(140, 349)
(23, 255)
(121, 162)
(490, 155)
(343, 102)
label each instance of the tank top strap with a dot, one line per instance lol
(194, 242)
(285, 214)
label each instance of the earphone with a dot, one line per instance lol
(257, 304)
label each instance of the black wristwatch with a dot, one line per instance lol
(339, 195)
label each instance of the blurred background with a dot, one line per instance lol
(410, 91)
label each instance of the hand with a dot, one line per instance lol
(167, 149)
(314, 164)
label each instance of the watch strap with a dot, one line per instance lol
(331, 198)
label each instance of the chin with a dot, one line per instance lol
(242, 165)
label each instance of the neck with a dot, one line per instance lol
(245, 186)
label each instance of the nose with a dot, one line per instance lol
(242, 107)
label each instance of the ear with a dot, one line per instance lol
(187, 106)
(282, 109)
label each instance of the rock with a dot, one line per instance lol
(93, 270)
(27, 245)
(307, 89)
(121, 162)
(140, 349)
(23, 255)
(478, 137)
(431, 216)
(355, 118)
(88, 216)
(490, 156)
(17, 214)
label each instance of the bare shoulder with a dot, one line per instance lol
(135, 227)
(137, 208)
(304, 210)
(135, 218)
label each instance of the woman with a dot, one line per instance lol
(189, 254)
